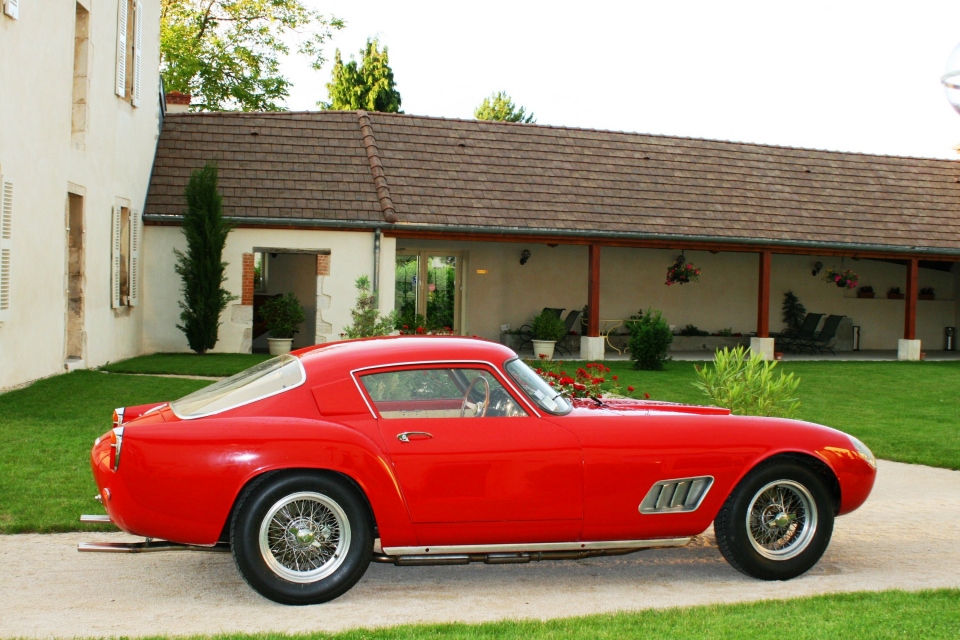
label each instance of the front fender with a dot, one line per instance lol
(178, 481)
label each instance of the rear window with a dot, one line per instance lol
(256, 383)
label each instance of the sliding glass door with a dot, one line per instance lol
(427, 290)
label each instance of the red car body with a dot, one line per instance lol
(521, 480)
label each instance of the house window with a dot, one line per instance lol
(81, 56)
(129, 50)
(126, 257)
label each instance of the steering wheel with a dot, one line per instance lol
(466, 398)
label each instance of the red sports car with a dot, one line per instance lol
(439, 450)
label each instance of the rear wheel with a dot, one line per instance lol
(777, 522)
(301, 539)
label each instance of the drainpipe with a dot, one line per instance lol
(376, 266)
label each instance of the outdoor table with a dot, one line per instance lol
(609, 325)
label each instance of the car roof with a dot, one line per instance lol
(340, 358)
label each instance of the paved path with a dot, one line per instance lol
(906, 536)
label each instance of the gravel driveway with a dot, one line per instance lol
(907, 536)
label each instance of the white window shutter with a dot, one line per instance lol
(115, 256)
(6, 246)
(12, 9)
(134, 268)
(138, 51)
(121, 88)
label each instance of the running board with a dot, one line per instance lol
(147, 546)
(517, 553)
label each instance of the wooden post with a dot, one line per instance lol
(593, 293)
(763, 296)
(910, 316)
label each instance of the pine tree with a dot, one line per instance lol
(793, 311)
(202, 268)
(500, 107)
(368, 86)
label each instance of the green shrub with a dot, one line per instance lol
(547, 326)
(283, 315)
(650, 337)
(367, 321)
(793, 311)
(748, 386)
(692, 330)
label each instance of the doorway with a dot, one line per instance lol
(74, 336)
(428, 285)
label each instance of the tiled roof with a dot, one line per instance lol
(482, 176)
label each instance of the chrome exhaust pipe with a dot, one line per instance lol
(95, 519)
(148, 545)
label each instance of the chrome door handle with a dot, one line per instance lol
(405, 436)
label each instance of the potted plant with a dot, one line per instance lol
(547, 329)
(846, 279)
(895, 294)
(283, 315)
(865, 292)
(682, 271)
(927, 293)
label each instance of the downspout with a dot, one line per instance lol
(376, 267)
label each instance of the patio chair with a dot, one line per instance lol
(788, 340)
(571, 321)
(821, 342)
(526, 331)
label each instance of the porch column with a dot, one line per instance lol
(763, 344)
(909, 347)
(591, 345)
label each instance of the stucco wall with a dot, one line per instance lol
(38, 153)
(726, 295)
(351, 255)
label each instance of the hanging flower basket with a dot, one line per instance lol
(846, 279)
(682, 271)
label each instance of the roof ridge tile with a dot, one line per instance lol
(376, 168)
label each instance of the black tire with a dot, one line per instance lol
(772, 549)
(319, 520)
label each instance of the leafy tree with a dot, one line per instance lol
(368, 86)
(366, 317)
(225, 52)
(500, 107)
(202, 268)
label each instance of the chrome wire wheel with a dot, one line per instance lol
(304, 537)
(781, 520)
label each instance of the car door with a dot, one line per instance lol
(467, 451)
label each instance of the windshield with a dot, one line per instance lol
(266, 379)
(545, 396)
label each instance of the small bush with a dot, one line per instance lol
(692, 330)
(650, 337)
(283, 315)
(547, 326)
(748, 386)
(367, 321)
(793, 310)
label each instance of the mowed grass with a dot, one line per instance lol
(46, 433)
(885, 614)
(210, 364)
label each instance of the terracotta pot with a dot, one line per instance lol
(280, 346)
(544, 347)
(865, 294)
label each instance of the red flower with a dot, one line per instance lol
(615, 378)
(629, 388)
(421, 330)
(405, 327)
(579, 387)
(647, 396)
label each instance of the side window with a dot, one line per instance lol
(440, 393)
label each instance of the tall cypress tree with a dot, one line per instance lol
(202, 268)
(368, 86)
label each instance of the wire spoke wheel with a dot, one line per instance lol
(304, 537)
(781, 520)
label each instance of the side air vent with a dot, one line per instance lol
(673, 496)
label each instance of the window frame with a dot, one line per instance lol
(507, 383)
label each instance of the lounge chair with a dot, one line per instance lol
(789, 339)
(821, 342)
(571, 321)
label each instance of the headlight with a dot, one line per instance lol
(862, 449)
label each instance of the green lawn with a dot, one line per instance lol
(46, 432)
(885, 614)
(211, 364)
(905, 411)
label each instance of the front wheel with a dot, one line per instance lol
(301, 539)
(777, 522)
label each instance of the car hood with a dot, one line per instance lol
(629, 406)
